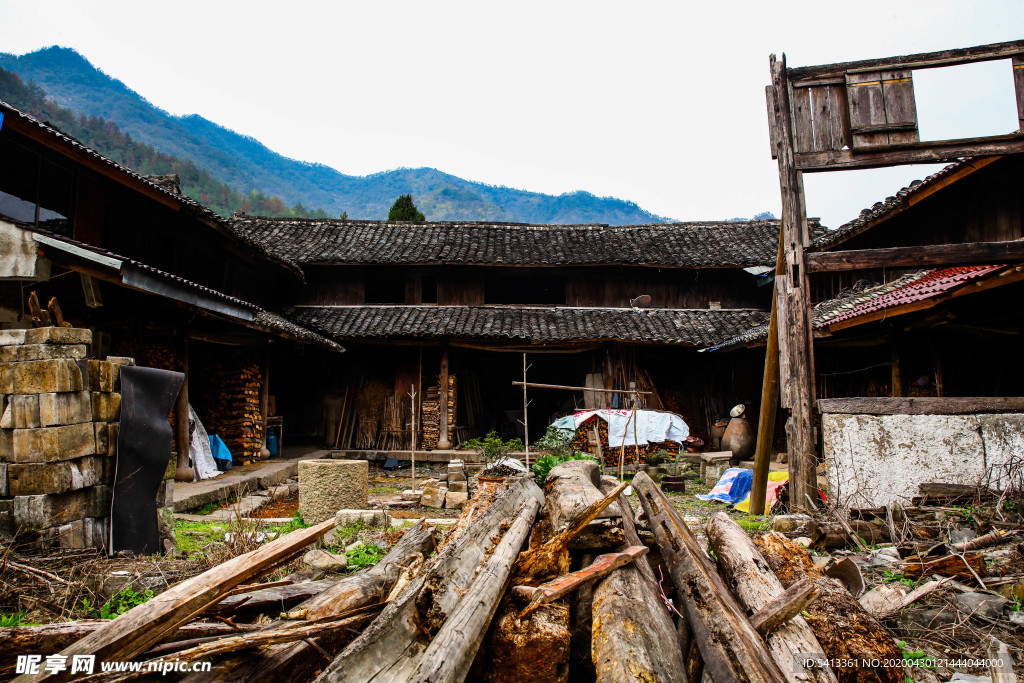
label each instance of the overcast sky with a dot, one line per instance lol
(661, 103)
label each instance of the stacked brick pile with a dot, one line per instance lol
(58, 434)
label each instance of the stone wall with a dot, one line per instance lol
(874, 460)
(58, 436)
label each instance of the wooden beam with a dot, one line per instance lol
(922, 405)
(562, 386)
(769, 401)
(970, 253)
(784, 607)
(965, 55)
(914, 153)
(797, 373)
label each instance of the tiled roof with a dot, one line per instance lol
(163, 187)
(739, 244)
(263, 318)
(859, 301)
(891, 205)
(693, 327)
(908, 289)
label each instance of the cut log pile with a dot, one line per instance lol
(552, 584)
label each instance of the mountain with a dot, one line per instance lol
(245, 164)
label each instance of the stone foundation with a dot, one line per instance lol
(58, 433)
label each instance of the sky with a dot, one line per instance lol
(660, 103)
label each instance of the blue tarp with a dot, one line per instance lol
(733, 487)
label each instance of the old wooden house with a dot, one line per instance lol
(483, 303)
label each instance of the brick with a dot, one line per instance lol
(6, 444)
(112, 430)
(58, 335)
(24, 411)
(44, 376)
(457, 486)
(102, 436)
(27, 352)
(48, 444)
(3, 479)
(42, 511)
(29, 479)
(106, 407)
(6, 378)
(9, 337)
(101, 375)
(64, 409)
(7, 418)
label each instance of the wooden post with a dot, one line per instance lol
(526, 422)
(797, 323)
(897, 374)
(769, 400)
(412, 442)
(265, 396)
(443, 443)
(181, 411)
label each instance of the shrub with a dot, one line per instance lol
(545, 463)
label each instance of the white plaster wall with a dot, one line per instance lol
(874, 460)
(18, 256)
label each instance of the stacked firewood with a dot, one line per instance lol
(431, 413)
(227, 400)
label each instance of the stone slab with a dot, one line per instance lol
(27, 479)
(165, 494)
(104, 376)
(24, 352)
(48, 444)
(64, 409)
(3, 480)
(106, 407)
(8, 337)
(433, 497)
(24, 412)
(58, 335)
(40, 377)
(326, 486)
(42, 511)
(458, 486)
(378, 518)
(454, 500)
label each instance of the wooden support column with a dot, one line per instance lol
(443, 442)
(897, 374)
(265, 394)
(796, 325)
(769, 400)
(184, 472)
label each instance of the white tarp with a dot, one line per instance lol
(652, 426)
(199, 448)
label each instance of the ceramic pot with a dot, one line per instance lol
(740, 438)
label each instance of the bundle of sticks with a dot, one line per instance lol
(529, 584)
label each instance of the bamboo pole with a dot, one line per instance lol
(769, 401)
(412, 444)
(535, 385)
(526, 424)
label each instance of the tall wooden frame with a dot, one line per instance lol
(839, 117)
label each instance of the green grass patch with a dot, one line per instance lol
(118, 604)
(206, 509)
(754, 523)
(194, 536)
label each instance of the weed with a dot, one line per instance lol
(545, 463)
(383, 490)
(893, 577)
(350, 532)
(1015, 605)
(364, 555)
(119, 603)
(194, 536)
(208, 508)
(298, 522)
(754, 523)
(12, 620)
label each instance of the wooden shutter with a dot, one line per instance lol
(882, 108)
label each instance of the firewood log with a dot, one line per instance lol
(844, 629)
(729, 645)
(755, 586)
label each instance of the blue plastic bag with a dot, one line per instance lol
(221, 454)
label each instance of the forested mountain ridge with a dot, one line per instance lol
(105, 137)
(244, 163)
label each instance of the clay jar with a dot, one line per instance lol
(739, 437)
